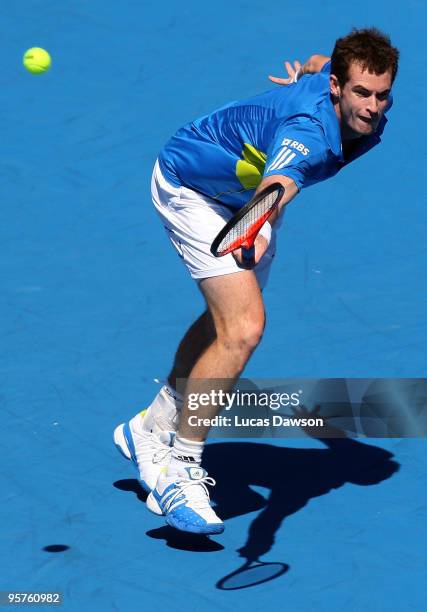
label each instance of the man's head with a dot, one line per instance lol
(363, 68)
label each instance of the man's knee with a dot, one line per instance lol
(243, 336)
(237, 309)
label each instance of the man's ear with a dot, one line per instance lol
(335, 87)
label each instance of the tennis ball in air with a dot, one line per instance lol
(37, 60)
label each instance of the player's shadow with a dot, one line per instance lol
(293, 477)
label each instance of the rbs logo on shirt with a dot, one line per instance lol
(294, 144)
(287, 153)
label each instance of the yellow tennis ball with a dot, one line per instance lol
(37, 60)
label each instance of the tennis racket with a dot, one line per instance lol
(244, 226)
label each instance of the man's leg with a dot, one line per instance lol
(146, 439)
(237, 311)
(196, 340)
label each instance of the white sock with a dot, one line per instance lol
(162, 414)
(185, 453)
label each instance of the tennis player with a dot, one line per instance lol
(331, 112)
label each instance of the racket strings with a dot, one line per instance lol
(248, 225)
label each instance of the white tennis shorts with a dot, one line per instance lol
(192, 221)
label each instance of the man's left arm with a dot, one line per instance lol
(314, 64)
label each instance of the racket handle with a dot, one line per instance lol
(248, 256)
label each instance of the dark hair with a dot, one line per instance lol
(370, 48)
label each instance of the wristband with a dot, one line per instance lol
(265, 231)
(296, 75)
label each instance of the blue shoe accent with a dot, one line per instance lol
(129, 441)
(186, 519)
(185, 502)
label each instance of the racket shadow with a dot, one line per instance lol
(252, 573)
(293, 476)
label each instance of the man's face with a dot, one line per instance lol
(362, 101)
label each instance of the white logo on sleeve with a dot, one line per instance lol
(294, 144)
(287, 153)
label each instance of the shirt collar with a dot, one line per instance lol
(331, 126)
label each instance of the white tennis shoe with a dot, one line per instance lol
(185, 501)
(149, 452)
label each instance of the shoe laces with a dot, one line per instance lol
(194, 491)
(152, 448)
(162, 454)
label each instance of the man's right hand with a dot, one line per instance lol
(261, 246)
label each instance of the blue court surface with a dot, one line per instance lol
(93, 302)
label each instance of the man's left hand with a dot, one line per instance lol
(291, 70)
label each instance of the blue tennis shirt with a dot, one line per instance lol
(291, 130)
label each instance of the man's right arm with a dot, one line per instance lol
(291, 190)
(297, 151)
(263, 239)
